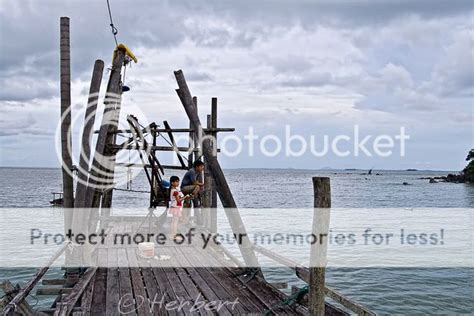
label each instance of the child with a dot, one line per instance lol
(176, 204)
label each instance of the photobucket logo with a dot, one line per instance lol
(95, 166)
(297, 145)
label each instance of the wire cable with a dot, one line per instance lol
(112, 26)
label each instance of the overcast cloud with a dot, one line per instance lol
(320, 67)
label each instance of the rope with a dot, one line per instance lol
(169, 143)
(127, 190)
(252, 274)
(112, 26)
(290, 300)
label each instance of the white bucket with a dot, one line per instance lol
(146, 249)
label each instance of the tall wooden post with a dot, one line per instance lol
(320, 229)
(207, 193)
(81, 219)
(213, 224)
(89, 120)
(191, 143)
(109, 123)
(66, 143)
(197, 136)
(235, 221)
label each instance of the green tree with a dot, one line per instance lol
(469, 170)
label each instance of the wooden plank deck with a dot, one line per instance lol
(192, 281)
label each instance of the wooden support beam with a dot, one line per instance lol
(223, 189)
(67, 304)
(303, 272)
(89, 120)
(197, 136)
(173, 143)
(81, 219)
(155, 148)
(53, 281)
(115, 91)
(206, 196)
(50, 291)
(279, 285)
(190, 154)
(213, 226)
(317, 270)
(9, 293)
(111, 109)
(16, 301)
(140, 165)
(66, 142)
(178, 130)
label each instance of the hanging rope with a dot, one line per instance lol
(112, 26)
(290, 300)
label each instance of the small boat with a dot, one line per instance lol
(57, 199)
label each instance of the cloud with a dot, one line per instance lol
(377, 62)
(454, 75)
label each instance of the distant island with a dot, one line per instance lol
(465, 176)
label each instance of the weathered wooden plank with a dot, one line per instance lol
(200, 282)
(53, 281)
(86, 299)
(52, 291)
(98, 306)
(189, 285)
(265, 293)
(181, 295)
(126, 292)
(69, 302)
(113, 287)
(141, 298)
(229, 282)
(219, 290)
(165, 288)
(153, 292)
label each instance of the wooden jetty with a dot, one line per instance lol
(193, 279)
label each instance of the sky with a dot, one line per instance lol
(319, 67)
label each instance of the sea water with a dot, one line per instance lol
(384, 290)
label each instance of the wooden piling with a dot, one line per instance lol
(207, 192)
(97, 180)
(197, 136)
(191, 142)
(23, 308)
(66, 143)
(213, 224)
(222, 186)
(322, 203)
(89, 119)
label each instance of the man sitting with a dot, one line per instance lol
(192, 184)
